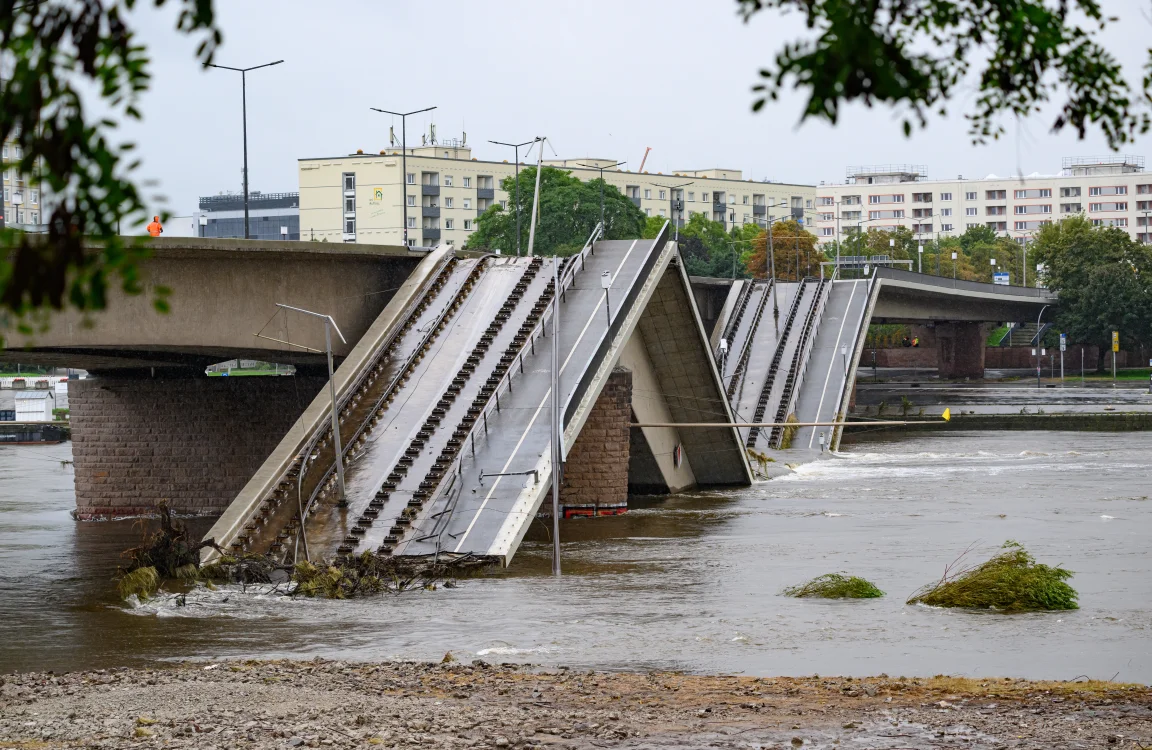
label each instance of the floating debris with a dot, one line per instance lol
(835, 586)
(1012, 581)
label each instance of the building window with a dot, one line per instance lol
(33, 217)
(467, 181)
(34, 197)
(885, 198)
(945, 211)
(447, 202)
(945, 227)
(411, 222)
(704, 197)
(808, 203)
(1033, 193)
(1109, 190)
(998, 226)
(970, 211)
(504, 205)
(1071, 208)
(663, 214)
(825, 217)
(970, 197)
(826, 231)
(449, 223)
(745, 200)
(825, 200)
(995, 195)
(663, 195)
(995, 210)
(349, 181)
(349, 205)
(467, 225)
(647, 194)
(410, 178)
(411, 200)
(945, 196)
(447, 180)
(349, 226)
(692, 197)
(1037, 209)
(467, 203)
(1143, 189)
(1107, 206)
(921, 197)
(732, 200)
(1110, 222)
(647, 212)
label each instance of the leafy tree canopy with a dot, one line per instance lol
(569, 211)
(794, 252)
(52, 50)
(710, 250)
(917, 55)
(1104, 279)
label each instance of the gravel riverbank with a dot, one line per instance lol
(343, 705)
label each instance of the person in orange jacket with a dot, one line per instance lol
(155, 228)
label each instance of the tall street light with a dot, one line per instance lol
(404, 156)
(517, 147)
(672, 203)
(606, 166)
(244, 99)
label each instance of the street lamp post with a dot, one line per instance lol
(517, 146)
(403, 156)
(244, 114)
(1039, 338)
(672, 204)
(601, 169)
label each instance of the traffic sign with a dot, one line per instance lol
(1063, 342)
(1115, 341)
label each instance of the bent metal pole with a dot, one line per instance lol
(557, 427)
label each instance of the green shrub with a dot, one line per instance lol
(835, 586)
(1012, 581)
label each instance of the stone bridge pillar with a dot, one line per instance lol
(960, 349)
(193, 441)
(596, 473)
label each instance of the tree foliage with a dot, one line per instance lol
(708, 249)
(53, 50)
(794, 252)
(916, 55)
(569, 211)
(1104, 279)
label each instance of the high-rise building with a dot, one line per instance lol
(361, 197)
(271, 216)
(1110, 191)
(22, 198)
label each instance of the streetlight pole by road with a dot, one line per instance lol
(404, 156)
(672, 204)
(244, 114)
(1039, 338)
(517, 146)
(601, 170)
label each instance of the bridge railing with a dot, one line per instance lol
(964, 285)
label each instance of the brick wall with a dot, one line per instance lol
(596, 475)
(194, 441)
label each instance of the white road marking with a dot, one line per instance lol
(536, 414)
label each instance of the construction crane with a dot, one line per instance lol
(646, 152)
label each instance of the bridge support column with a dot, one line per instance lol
(960, 350)
(193, 441)
(596, 474)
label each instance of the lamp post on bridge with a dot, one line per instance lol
(601, 170)
(244, 114)
(403, 156)
(672, 204)
(517, 146)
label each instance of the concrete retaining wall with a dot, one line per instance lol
(192, 441)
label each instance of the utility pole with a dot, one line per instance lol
(1039, 339)
(606, 166)
(403, 156)
(244, 113)
(557, 417)
(517, 146)
(536, 201)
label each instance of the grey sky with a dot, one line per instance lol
(600, 78)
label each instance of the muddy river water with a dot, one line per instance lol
(690, 582)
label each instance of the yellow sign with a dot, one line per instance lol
(1115, 341)
(378, 194)
(947, 415)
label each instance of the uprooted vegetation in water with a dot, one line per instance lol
(835, 586)
(169, 555)
(789, 432)
(1012, 581)
(761, 460)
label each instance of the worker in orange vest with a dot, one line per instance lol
(155, 228)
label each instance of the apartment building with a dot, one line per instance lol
(365, 197)
(22, 200)
(1111, 191)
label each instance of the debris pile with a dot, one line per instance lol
(1012, 581)
(835, 586)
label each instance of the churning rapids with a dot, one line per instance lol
(690, 582)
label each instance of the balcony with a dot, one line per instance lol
(429, 190)
(635, 199)
(430, 234)
(798, 214)
(430, 212)
(488, 193)
(759, 210)
(720, 208)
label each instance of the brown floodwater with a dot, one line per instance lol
(688, 582)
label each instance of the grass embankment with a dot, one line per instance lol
(1012, 581)
(1132, 373)
(835, 586)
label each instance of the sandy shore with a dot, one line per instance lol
(335, 704)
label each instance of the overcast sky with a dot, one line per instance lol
(601, 78)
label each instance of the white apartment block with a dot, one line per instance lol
(363, 197)
(1110, 191)
(22, 209)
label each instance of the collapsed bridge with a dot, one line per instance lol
(444, 419)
